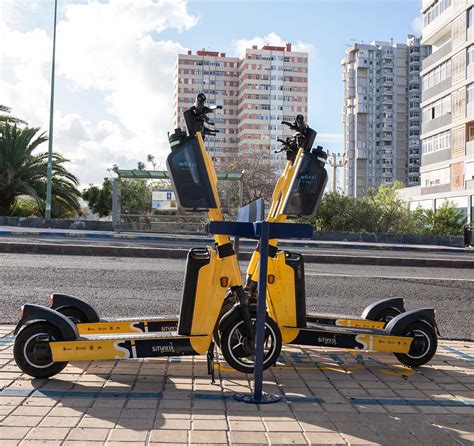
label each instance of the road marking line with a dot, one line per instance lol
(388, 277)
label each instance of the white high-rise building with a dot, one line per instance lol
(447, 162)
(381, 114)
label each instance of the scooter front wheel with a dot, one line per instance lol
(237, 354)
(31, 350)
(423, 347)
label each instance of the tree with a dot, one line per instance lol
(447, 220)
(6, 117)
(99, 199)
(259, 181)
(23, 172)
(151, 159)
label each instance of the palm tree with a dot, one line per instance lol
(24, 173)
(6, 117)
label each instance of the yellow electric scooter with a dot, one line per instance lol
(411, 336)
(47, 340)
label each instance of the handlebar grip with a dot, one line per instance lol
(200, 100)
(300, 123)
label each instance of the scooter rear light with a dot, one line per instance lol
(50, 300)
(224, 282)
(22, 309)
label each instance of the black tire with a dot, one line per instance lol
(423, 347)
(76, 316)
(226, 307)
(238, 358)
(387, 314)
(23, 351)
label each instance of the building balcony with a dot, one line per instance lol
(433, 58)
(437, 89)
(436, 123)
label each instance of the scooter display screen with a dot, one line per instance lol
(189, 175)
(307, 188)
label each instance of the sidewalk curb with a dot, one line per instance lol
(145, 252)
(317, 244)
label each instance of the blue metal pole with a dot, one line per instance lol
(261, 311)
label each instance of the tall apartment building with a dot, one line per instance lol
(257, 92)
(217, 76)
(381, 114)
(447, 163)
(273, 87)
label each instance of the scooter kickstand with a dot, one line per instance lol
(210, 362)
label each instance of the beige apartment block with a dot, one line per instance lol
(215, 75)
(257, 92)
(447, 163)
(273, 87)
(381, 114)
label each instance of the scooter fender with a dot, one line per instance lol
(234, 315)
(59, 301)
(375, 308)
(398, 324)
(36, 313)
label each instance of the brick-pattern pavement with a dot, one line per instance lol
(330, 397)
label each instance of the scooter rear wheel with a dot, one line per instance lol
(238, 357)
(76, 316)
(26, 353)
(424, 345)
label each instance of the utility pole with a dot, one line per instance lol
(335, 164)
(51, 114)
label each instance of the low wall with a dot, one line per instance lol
(363, 237)
(29, 222)
(371, 237)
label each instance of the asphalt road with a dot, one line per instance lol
(133, 286)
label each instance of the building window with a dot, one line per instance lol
(437, 75)
(470, 55)
(436, 109)
(470, 17)
(435, 10)
(437, 142)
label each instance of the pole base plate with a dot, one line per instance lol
(249, 398)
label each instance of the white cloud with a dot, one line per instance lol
(272, 38)
(330, 137)
(112, 51)
(417, 25)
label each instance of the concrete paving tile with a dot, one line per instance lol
(92, 422)
(60, 421)
(13, 432)
(32, 411)
(207, 425)
(88, 434)
(46, 433)
(168, 436)
(283, 426)
(254, 438)
(296, 438)
(247, 425)
(136, 423)
(126, 435)
(172, 424)
(210, 437)
(22, 420)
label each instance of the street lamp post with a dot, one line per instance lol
(51, 114)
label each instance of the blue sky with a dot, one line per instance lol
(115, 62)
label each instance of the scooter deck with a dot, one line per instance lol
(126, 346)
(350, 338)
(343, 320)
(152, 324)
